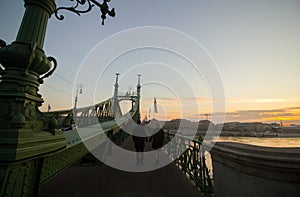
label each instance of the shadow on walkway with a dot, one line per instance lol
(102, 180)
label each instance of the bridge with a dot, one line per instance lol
(90, 178)
(59, 152)
(39, 150)
(35, 146)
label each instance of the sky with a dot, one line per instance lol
(234, 57)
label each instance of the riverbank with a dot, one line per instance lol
(254, 134)
(266, 141)
(241, 134)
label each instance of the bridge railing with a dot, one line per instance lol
(89, 135)
(87, 120)
(84, 116)
(89, 115)
(189, 156)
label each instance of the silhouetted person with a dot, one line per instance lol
(157, 140)
(139, 138)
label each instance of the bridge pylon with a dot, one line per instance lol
(32, 148)
(25, 133)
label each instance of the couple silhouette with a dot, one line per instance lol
(139, 138)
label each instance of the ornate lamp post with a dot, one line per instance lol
(78, 91)
(115, 99)
(139, 94)
(25, 133)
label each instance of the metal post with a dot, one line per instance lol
(78, 90)
(115, 99)
(139, 94)
(25, 132)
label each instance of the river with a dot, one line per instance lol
(258, 141)
(268, 142)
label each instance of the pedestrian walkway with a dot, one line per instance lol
(102, 180)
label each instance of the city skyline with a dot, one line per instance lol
(286, 116)
(254, 46)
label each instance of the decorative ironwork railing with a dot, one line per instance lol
(55, 163)
(85, 116)
(189, 156)
(90, 115)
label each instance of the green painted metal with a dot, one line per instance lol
(25, 133)
(191, 160)
(25, 67)
(21, 178)
(48, 165)
(89, 115)
(56, 162)
(32, 148)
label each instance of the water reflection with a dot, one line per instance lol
(267, 142)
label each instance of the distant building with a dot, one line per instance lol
(245, 126)
(290, 129)
(204, 124)
(230, 126)
(180, 124)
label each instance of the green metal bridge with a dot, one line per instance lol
(33, 146)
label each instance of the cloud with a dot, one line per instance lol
(269, 100)
(264, 115)
(263, 111)
(238, 109)
(294, 108)
(263, 100)
(183, 99)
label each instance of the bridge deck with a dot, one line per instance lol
(102, 180)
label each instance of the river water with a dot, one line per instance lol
(267, 142)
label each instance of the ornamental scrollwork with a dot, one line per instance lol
(2, 43)
(89, 4)
(51, 59)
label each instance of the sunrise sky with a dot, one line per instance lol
(196, 57)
